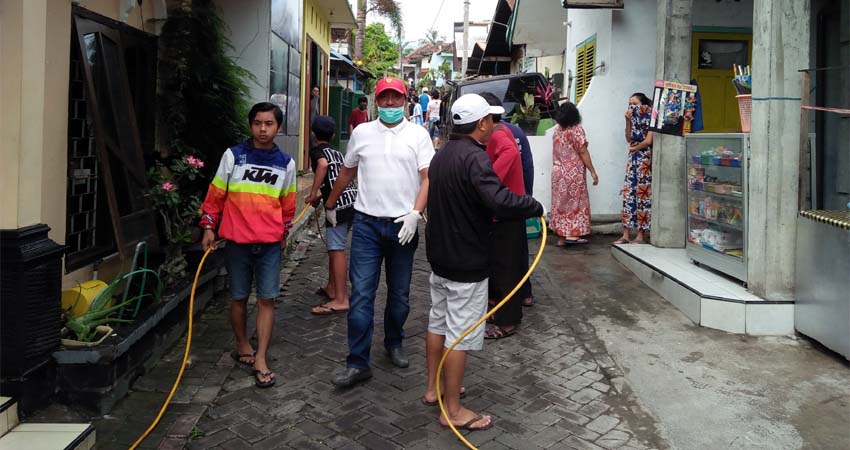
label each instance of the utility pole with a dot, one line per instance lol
(466, 52)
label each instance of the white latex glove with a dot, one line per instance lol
(330, 215)
(409, 223)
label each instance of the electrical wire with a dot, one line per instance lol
(478, 324)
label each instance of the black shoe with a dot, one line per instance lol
(350, 376)
(398, 357)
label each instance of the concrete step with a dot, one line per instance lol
(41, 436)
(708, 298)
(8, 414)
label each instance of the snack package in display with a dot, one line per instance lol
(673, 107)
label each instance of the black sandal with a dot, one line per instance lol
(238, 358)
(265, 384)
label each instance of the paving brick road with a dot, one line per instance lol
(550, 386)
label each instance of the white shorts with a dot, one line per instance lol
(455, 307)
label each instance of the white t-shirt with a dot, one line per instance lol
(434, 110)
(388, 162)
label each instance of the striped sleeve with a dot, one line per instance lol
(217, 192)
(287, 195)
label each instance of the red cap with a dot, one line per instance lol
(391, 84)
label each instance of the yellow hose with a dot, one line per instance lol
(478, 324)
(189, 340)
(185, 353)
(439, 367)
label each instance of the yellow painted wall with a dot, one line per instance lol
(317, 26)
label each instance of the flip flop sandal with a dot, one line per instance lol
(528, 302)
(497, 332)
(621, 241)
(434, 403)
(326, 311)
(575, 241)
(264, 384)
(468, 425)
(238, 358)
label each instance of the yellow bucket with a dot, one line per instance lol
(79, 298)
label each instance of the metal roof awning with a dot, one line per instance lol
(342, 59)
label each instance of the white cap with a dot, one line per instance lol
(470, 108)
(425, 89)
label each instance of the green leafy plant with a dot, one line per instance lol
(177, 209)
(99, 313)
(526, 110)
(203, 92)
(380, 53)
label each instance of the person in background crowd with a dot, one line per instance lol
(637, 187)
(390, 157)
(525, 293)
(464, 194)
(433, 117)
(253, 213)
(326, 162)
(314, 109)
(359, 115)
(509, 255)
(570, 215)
(424, 99)
(416, 116)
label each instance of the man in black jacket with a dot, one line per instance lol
(464, 196)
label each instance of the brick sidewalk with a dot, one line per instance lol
(550, 386)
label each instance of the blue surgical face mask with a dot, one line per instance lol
(391, 115)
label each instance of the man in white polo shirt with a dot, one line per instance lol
(390, 157)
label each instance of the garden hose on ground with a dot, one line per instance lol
(439, 367)
(189, 339)
(478, 324)
(185, 353)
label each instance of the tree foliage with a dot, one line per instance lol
(380, 53)
(387, 8)
(203, 92)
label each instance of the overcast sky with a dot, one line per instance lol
(420, 15)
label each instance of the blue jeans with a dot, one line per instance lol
(375, 240)
(259, 263)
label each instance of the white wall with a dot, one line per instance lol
(724, 13)
(625, 42)
(250, 24)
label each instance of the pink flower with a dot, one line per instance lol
(168, 186)
(194, 162)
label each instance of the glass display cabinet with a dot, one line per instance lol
(717, 201)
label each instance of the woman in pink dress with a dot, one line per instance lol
(570, 215)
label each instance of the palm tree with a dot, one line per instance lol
(387, 8)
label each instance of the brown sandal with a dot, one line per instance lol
(468, 425)
(498, 332)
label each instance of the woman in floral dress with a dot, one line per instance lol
(637, 187)
(570, 215)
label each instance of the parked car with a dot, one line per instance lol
(510, 88)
